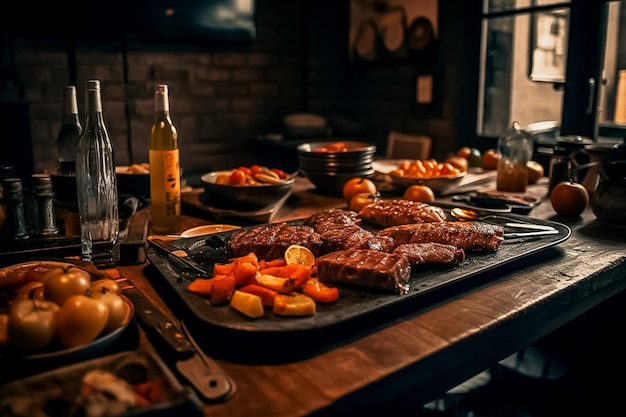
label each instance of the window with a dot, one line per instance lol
(551, 62)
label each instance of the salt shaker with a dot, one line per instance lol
(515, 148)
(16, 216)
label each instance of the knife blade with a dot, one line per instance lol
(176, 254)
(191, 363)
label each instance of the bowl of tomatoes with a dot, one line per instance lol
(59, 312)
(247, 188)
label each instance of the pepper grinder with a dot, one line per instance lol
(45, 219)
(16, 216)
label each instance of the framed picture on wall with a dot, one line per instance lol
(392, 29)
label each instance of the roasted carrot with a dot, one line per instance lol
(244, 273)
(320, 292)
(223, 269)
(222, 290)
(250, 257)
(263, 264)
(267, 295)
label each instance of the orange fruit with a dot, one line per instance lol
(421, 193)
(464, 152)
(299, 255)
(361, 200)
(356, 186)
(458, 162)
(569, 199)
(535, 171)
(490, 159)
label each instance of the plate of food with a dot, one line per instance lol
(404, 173)
(56, 311)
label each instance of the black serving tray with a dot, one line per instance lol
(354, 308)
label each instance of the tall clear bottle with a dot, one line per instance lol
(97, 186)
(164, 167)
(69, 134)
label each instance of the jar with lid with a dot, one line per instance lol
(515, 148)
(569, 160)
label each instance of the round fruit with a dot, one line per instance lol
(490, 159)
(70, 281)
(475, 158)
(299, 255)
(356, 186)
(535, 171)
(464, 152)
(32, 324)
(458, 162)
(420, 193)
(361, 200)
(569, 199)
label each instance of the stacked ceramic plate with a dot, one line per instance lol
(328, 165)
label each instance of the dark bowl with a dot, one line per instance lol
(244, 197)
(133, 184)
(331, 184)
(355, 150)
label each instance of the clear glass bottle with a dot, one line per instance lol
(96, 183)
(69, 134)
(165, 200)
(516, 149)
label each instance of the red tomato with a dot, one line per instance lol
(255, 169)
(71, 281)
(281, 174)
(238, 177)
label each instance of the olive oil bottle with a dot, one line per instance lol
(164, 167)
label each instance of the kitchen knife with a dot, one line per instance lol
(177, 254)
(203, 373)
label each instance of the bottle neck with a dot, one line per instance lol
(70, 104)
(162, 101)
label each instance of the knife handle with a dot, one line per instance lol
(167, 331)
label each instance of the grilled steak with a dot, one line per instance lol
(367, 269)
(331, 219)
(473, 236)
(418, 253)
(356, 237)
(396, 212)
(269, 242)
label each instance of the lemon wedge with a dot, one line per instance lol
(299, 255)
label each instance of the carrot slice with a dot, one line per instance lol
(320, 292)
(267, 295)
(222, 290)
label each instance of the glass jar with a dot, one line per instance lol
(515, 148)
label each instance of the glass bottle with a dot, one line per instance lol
(69, 133)
(96, 183)
(516, 149)
(165, 201)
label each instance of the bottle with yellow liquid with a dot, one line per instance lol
(164, 167)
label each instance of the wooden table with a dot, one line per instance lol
(418, 357)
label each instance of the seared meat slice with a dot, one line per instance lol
(473, 236)
(367, 269)
(331, 219)
(395, 212)
(269, 242)
(418, 253)
(356, 237)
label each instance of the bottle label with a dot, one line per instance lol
(165, 166)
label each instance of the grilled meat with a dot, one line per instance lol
(396, 212)
(270, 242)
(472, 236)
(331, 219)
(418, 253)
(356, 237)
(368, 269)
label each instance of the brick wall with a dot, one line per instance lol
(222, 98)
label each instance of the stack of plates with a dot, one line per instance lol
(329, 170)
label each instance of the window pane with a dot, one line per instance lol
(507, 94)
(494, 6)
